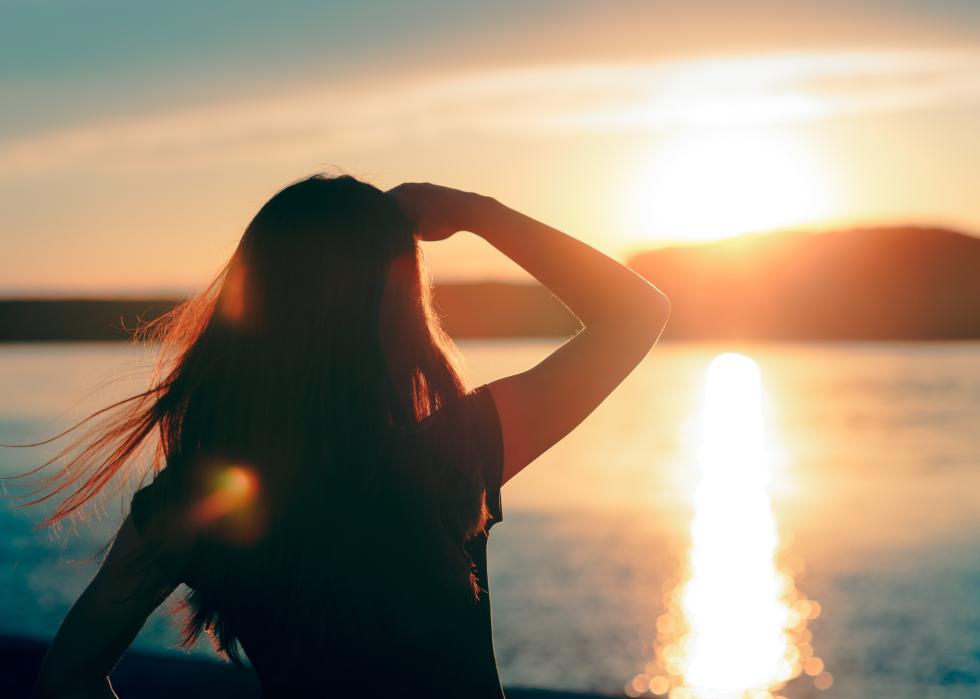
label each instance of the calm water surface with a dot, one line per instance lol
(875, 489)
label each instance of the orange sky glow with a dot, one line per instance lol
(623, 144)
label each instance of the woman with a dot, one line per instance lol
(324, 481)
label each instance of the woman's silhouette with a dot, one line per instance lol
(324, 480)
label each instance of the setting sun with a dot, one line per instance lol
(706, 185)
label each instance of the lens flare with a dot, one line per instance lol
(233, 488)
(736, 627)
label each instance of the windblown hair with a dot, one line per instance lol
(314, 350)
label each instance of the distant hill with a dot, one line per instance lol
(899, 283)
(873, 283)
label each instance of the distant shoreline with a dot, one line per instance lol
(480, 310)
(875, 284)
(525, 313)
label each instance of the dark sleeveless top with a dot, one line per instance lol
(459, 661)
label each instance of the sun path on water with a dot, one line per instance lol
(736, 626)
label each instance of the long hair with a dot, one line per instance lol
(277, 413)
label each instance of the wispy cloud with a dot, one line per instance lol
(535, 100)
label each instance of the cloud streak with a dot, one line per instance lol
(536, 100)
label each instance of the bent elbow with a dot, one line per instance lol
(642, 326)
(655, 314)
(640, 321)
(664, 302)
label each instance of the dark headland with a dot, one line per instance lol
(887, 283)
(898, 283)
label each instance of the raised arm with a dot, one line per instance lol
(622, 314)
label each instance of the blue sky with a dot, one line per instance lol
(67, 61)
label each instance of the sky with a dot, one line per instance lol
(138, 139)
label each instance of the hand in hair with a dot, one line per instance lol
(437, 211)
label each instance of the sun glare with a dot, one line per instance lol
(712, 184)
(736, 627)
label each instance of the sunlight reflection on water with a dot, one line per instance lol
(736, 627)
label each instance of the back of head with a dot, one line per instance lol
(316, 254)
(322, 348)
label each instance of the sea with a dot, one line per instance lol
(849, 472)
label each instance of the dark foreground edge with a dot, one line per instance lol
(149, 675)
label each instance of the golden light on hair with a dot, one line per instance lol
(232, 304)
(735, 628)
